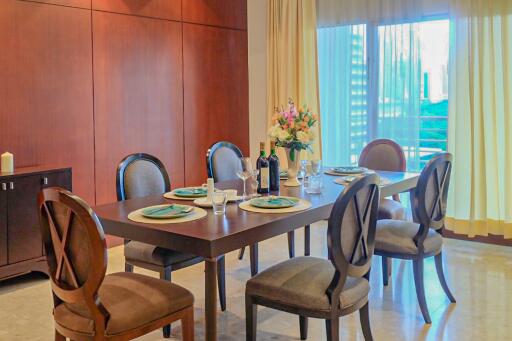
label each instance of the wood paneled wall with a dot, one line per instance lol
(85, 82)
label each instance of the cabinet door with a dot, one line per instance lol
(24, 237)
(3, 226)
(60, 179)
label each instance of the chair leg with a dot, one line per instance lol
(332, 328)
(303, 323)
(420, 288)
(307, 240)
(241, 253)
(254, 259)
(59, 336)
(165, 274)
(364, 316)
(440, 273)
(385, 271)
(251, 318)
(187, 325)
(221, 281)
(128, 267)
(291, 244)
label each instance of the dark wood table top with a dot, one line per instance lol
(216, 235)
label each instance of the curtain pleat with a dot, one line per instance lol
(292, 60)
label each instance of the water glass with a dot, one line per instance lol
(219, 200)
(316, 167)
(314, 184)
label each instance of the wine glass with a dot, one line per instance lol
(305, 165)
(245, 173)
(254, 182)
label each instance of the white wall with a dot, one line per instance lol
(257, 41)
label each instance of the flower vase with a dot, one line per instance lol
(293, 156)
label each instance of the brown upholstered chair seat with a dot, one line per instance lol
(152, 254)
(302, 282)
(391, 209)
(132, 301)
(396, 236)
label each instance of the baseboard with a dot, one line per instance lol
(490, 239)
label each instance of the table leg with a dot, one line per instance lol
(307, 240)
(254, 259)
(210, 288)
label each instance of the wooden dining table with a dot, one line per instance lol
(216, 235)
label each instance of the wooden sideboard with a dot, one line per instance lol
(21, 248)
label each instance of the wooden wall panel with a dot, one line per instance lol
(72, 3)
(164, 9)
(46, 102)
(224, 13)
(138, 95)
(215, 93)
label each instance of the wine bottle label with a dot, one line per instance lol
(264, 177)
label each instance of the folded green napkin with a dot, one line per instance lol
(274, 202)
(166, 212)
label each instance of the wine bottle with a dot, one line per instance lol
(263, 175)
(273, 164)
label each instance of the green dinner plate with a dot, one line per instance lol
(274, 202)
(167, 211)
(349, 170)
(191, 192)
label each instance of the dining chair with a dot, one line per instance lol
(385, 155)
(140, 175)
(422, 238)
(88, 304)
(321, 288)
(222, 164)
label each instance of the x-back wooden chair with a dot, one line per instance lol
(222, 163)
(88, 305)
(422, 238)
(320, 288)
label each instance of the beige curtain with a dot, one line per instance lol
(292, 60)
(480, 118)
(345, 12)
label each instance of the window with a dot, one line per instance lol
(384, 81)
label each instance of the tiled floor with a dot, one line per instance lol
(480, 277)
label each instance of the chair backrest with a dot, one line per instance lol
(76, 251)
(223, 161)
(351, 231)
(431, 193)
(140, 175)
(384, 155)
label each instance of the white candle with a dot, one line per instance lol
(7, 163)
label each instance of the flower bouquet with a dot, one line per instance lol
(292, 130)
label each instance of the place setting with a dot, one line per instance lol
(167, 214)
(275, 204)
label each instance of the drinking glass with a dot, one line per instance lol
(316, 167)
(254, 182)
(219, 200)
(305, 166)
(315, 184)
(245, 173)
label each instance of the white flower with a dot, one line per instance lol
(283, 135)
(303, 137)
(274, 131)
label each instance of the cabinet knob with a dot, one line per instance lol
(11, 185)
(4, 186)
(45, 181)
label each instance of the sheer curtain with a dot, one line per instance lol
(480, 112)
(343, 88)
(370, 80)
